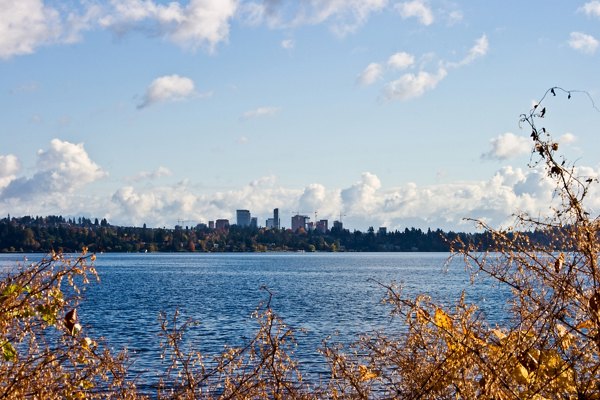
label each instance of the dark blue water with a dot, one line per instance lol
(324, 293)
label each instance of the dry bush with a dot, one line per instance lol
(549, 346)
(262, 369)
(44, 352)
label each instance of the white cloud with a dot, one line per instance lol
(287, 44)
(364, 203)
(479, 49)
(371, 74)
(313, 198)
(591, 8)
(410, 86)
(9, 166)
(162, 206)
(158, 173)
(26, 25)
(508, 145)
(362, 196)
(567, 138)
(60, 170)
(201, 23)
(401, 60)
(260, 112)
(344, 16)
(168, 88)
(583, 42)
(416, 9)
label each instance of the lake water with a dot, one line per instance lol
(324, 293)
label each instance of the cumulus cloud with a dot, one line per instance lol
(591, 8)
(318, 199)
(507, 145)
(201, 23)
(416, 9)
(371, 74)
(163, 205)
(364, 203)
(583, 42)
(344, 17)
(9, 166)
(361, 197)
(494, 201)
(26, 25)
(168, 88)
(61, 169)
(401, 60)
(260, 112)
(410, 85)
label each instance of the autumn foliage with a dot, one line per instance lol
(546, 347)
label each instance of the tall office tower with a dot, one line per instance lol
(243, 218)
(299, 221)
(276, 221)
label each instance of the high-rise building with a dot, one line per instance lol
(222, 224)
(276, 220)
(254, 222)
(299, 221)
(243, 217)
(337, 225)
(270, 223)
(322, 225)
(211, 224)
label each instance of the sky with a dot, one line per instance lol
(379, 112)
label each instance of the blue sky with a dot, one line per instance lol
(392, 113)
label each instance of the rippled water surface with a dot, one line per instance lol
(324, 293)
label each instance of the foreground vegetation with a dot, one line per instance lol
(548, 348)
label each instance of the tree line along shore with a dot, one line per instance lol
(56, 233)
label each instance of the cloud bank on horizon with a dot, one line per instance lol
(344, 86)
(63, 170)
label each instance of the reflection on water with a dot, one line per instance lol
(325, 294)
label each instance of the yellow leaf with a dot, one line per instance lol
(499, 334)
(585, 324)
(442, 320)
(566, 337)
(366, 374)
(520, 374)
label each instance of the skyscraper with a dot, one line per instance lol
(243, 217)
(299, 221)
(276, 221)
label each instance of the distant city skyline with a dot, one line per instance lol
(395, 113)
